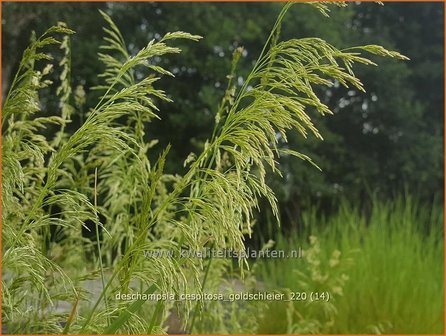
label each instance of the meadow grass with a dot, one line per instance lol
(391, 261)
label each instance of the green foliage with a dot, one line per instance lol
(24, 169)
(99, 176)
(384, 271)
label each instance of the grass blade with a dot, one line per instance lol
(125, 315)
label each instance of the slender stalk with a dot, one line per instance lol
(203, 284)
(261, 57)
(98, 242)
(261, 61)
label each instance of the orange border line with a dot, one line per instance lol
(1, 167)
(253, 1)
(185, 1)
(444, 166)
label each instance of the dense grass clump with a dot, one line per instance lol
(384, 269)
